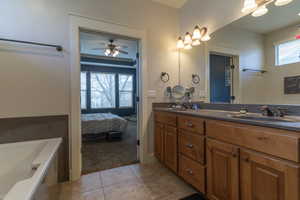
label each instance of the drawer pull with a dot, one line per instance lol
(262, 138)
(189, 124)
(246, 159)
(190, 146)
(234, 154)
(190, 172)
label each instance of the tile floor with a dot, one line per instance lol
(134, 182)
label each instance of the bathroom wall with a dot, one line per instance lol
(276, 74)
(213, 14)
(36, 80)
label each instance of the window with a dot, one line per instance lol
(83, 90)
(103, 90)
(125, 90)
(107, 89)
(288, 52)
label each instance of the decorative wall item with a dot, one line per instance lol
(199, 35)
(292, 85)
(195, 78)
(259, 7)
(164, 77)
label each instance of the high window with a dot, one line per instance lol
(288, 52)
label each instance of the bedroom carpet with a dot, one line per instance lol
(101, 154)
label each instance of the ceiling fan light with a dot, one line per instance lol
(196, 42)
(116, 52)
(249, 5)
(180, 44)
(107, 52)
(188, 39)
(188, 47)
(282, 2)
(197, 33)
(260, 11)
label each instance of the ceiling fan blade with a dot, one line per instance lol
(123, 52)
(99, 48)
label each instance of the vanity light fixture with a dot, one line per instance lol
(197, 33)
(249, 5)
(282, 2)
(196, 42)
(260, 11)
(188, 47)
(180, 44)
(188, 39)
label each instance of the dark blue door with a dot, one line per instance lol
(220, 81)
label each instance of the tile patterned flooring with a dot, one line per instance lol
(133, 182)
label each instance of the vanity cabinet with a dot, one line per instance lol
(159, 141)
(264, 177)
(170, 148)
(228, 160)
(166, 139)
(222, 171)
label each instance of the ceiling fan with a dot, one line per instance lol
(111, 49)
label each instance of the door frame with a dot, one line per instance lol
(78, 22)
(209, 49)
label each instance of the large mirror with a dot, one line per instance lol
(256, 60)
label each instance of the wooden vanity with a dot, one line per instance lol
(229, 160)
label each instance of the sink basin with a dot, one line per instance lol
(258, 117)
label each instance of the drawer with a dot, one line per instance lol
(281, 143)
(193, 124)
(165, 118)
(192, 146)
(192, 172)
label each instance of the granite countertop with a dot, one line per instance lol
(225, 116)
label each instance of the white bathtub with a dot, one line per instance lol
(23, 167)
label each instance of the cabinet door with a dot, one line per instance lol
(159, 141)
(170, 145)
(263, 177)
(222, 171)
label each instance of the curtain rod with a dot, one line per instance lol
(57, 47)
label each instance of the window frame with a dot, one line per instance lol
(276, 46)
(119, 91)
(122, 111)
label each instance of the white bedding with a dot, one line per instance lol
(102, 123)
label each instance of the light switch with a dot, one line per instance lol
(152, 93)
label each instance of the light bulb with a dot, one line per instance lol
(205, 38)
(116, 52)
(260, 11)
(188, 39)
(282, 2)
(197, 33)
(188, 46)
(249, 5)
(196, 42)
(180, 44)
(107, 52)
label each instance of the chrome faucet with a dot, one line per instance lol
(266, 111)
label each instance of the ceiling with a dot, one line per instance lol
(172, 3)
(276, 18)
(89, 41)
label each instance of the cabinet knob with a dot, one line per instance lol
(234, 154)
(189, 124)
(190, 146)
(189, 171)
(246, 159)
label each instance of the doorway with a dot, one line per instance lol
(221, 78)
(109, 94)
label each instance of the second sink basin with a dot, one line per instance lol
(258, 117)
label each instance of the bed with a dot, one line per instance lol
(100, 123)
